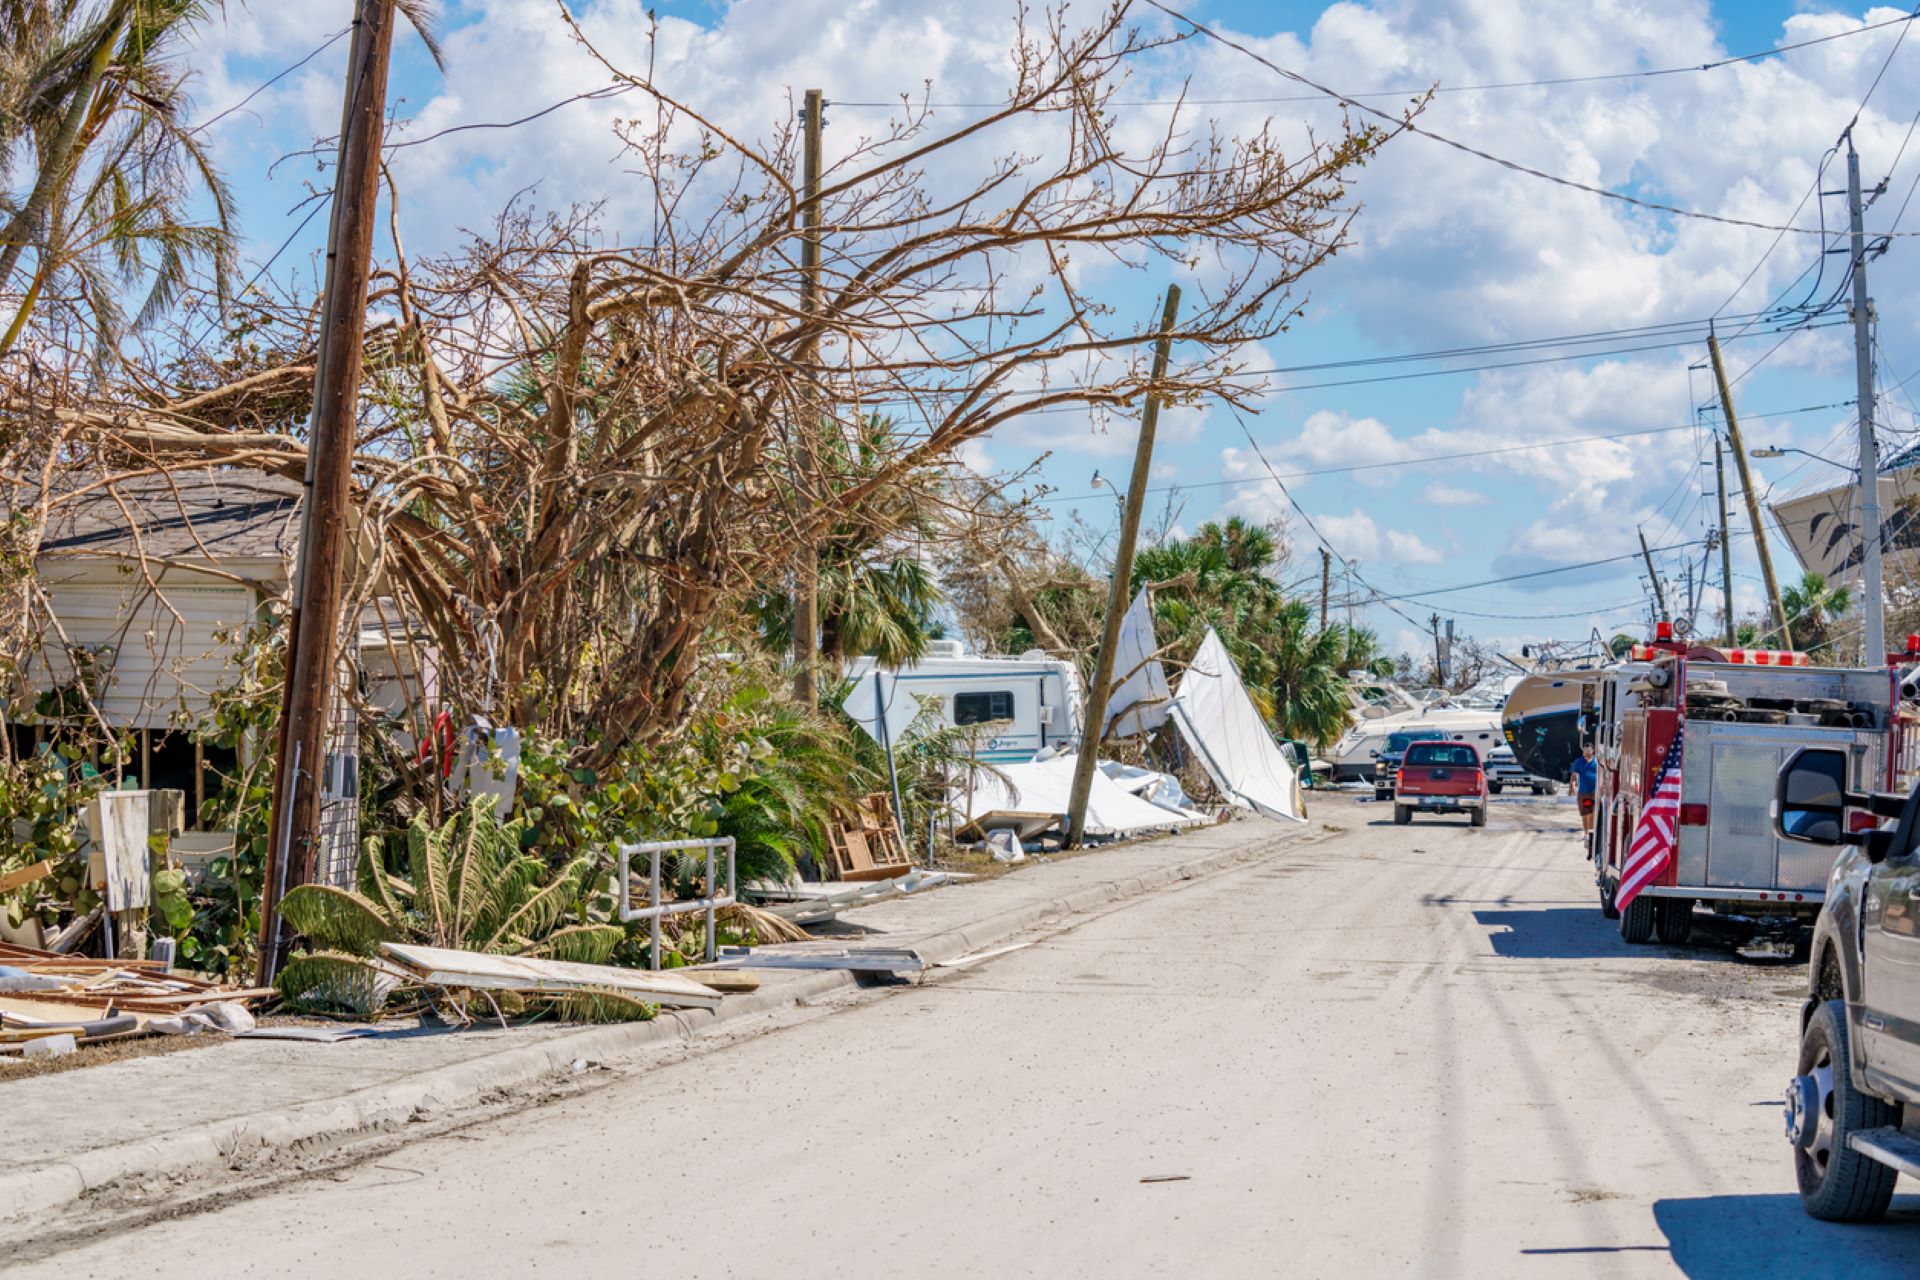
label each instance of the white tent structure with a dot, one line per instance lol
(1140, 699)
(1224, 729)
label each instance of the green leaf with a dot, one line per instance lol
(580, 943)
(601, 1006)
(337, 919)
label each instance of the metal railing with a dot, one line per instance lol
(660, 910)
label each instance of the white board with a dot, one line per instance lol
(1225, 730)
(441, 967)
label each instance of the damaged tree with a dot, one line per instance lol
(573, 461)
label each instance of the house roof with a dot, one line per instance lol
(204, 514)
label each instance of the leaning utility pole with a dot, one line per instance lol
(1659, 596)
(1439, 664)
(1752, 498)
(1326, 583)
(315, 624)
(1874, 632)
(1726, 550)
(1093, 723)
(806, 579)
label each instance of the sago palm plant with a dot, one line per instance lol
(469, 886)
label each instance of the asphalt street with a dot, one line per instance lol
(1395, 1051)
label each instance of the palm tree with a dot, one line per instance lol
(1309, 681)
(93, 96)
(1811, 605)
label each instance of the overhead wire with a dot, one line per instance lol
(1553, 82)
(1408, 124)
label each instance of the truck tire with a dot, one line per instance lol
(1402, 815)
(1837, 1183)
(1636, 922)
(1479, 816)
(1382, 796)
(1494, 787)
(1607, 910)
(1673, 920)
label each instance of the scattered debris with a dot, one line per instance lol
(859, 959)
(726, 981)
(314, 1035)
(473, 970)
(975, 957)
(812, 903)
(227, 1016)
(1004, 845)
(868, 845)
(1168, 1177)
(55, 1046)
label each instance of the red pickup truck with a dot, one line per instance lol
(1441, 777)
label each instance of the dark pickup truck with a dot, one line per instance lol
(1859, 1066)
(1440, 777)
(1386, 762)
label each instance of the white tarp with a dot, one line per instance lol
(1046, 786)
(1224, 728)
(1140, 695)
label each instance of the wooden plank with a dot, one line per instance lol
(26, 875)
(859, 959)
(726, 981)
(440, 967)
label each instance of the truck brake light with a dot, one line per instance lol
(1862, 820)
(1400, 779)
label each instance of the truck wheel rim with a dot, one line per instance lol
(1820, 1149)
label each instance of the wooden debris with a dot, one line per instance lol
(859, 959)
(473, 970)
(26, 875)
(868, 845)
(726, 981)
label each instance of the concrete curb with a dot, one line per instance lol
(48, 1186)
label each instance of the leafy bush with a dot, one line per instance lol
(470, 885)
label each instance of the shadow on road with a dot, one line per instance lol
(1740, 1237)
(1582, 933)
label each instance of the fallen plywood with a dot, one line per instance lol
(858, 959)
(440, 967)
(1023, 823)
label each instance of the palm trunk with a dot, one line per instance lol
(55, 164)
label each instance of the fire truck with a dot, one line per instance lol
(1744, 711)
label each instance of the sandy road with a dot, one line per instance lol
(1398, 1051)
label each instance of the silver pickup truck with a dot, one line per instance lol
(1848, 1111)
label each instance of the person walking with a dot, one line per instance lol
(1583, 779)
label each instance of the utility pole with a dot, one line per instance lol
(806, 578)
(1326, 582)
(1874, 633)
(1093, 723)
(1752, 498)
(1726, 549)
(315, 624)
(1659, 595)
(1439, 664)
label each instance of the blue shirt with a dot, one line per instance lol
(1584, 770)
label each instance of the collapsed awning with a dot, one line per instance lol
(1046, 787)
(1140, 695)
(1224, 729)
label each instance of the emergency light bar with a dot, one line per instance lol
(1767, 657)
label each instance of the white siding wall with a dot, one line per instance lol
(169, 654)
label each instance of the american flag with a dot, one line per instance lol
(1651, 852)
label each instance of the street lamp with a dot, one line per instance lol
(1776, 451)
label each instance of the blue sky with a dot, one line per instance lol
(1450, 251)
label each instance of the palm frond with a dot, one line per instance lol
(338, 920)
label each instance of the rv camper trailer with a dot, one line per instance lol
(1031, 702)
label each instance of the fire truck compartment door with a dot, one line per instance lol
(1737, 848)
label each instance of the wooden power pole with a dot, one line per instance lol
(1746, 492)
(1326, 583)
(1726, 548)
(1659, 594)
(315, 625)
(806, 578)
(1093, 723)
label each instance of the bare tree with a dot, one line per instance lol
(575, 457)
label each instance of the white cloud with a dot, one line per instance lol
(1440, 494)
(1359, 537)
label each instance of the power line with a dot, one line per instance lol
(325, 45)
(1428, 459)
(1410, 126)
(1554, 82)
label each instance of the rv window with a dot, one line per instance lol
(979, 708)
